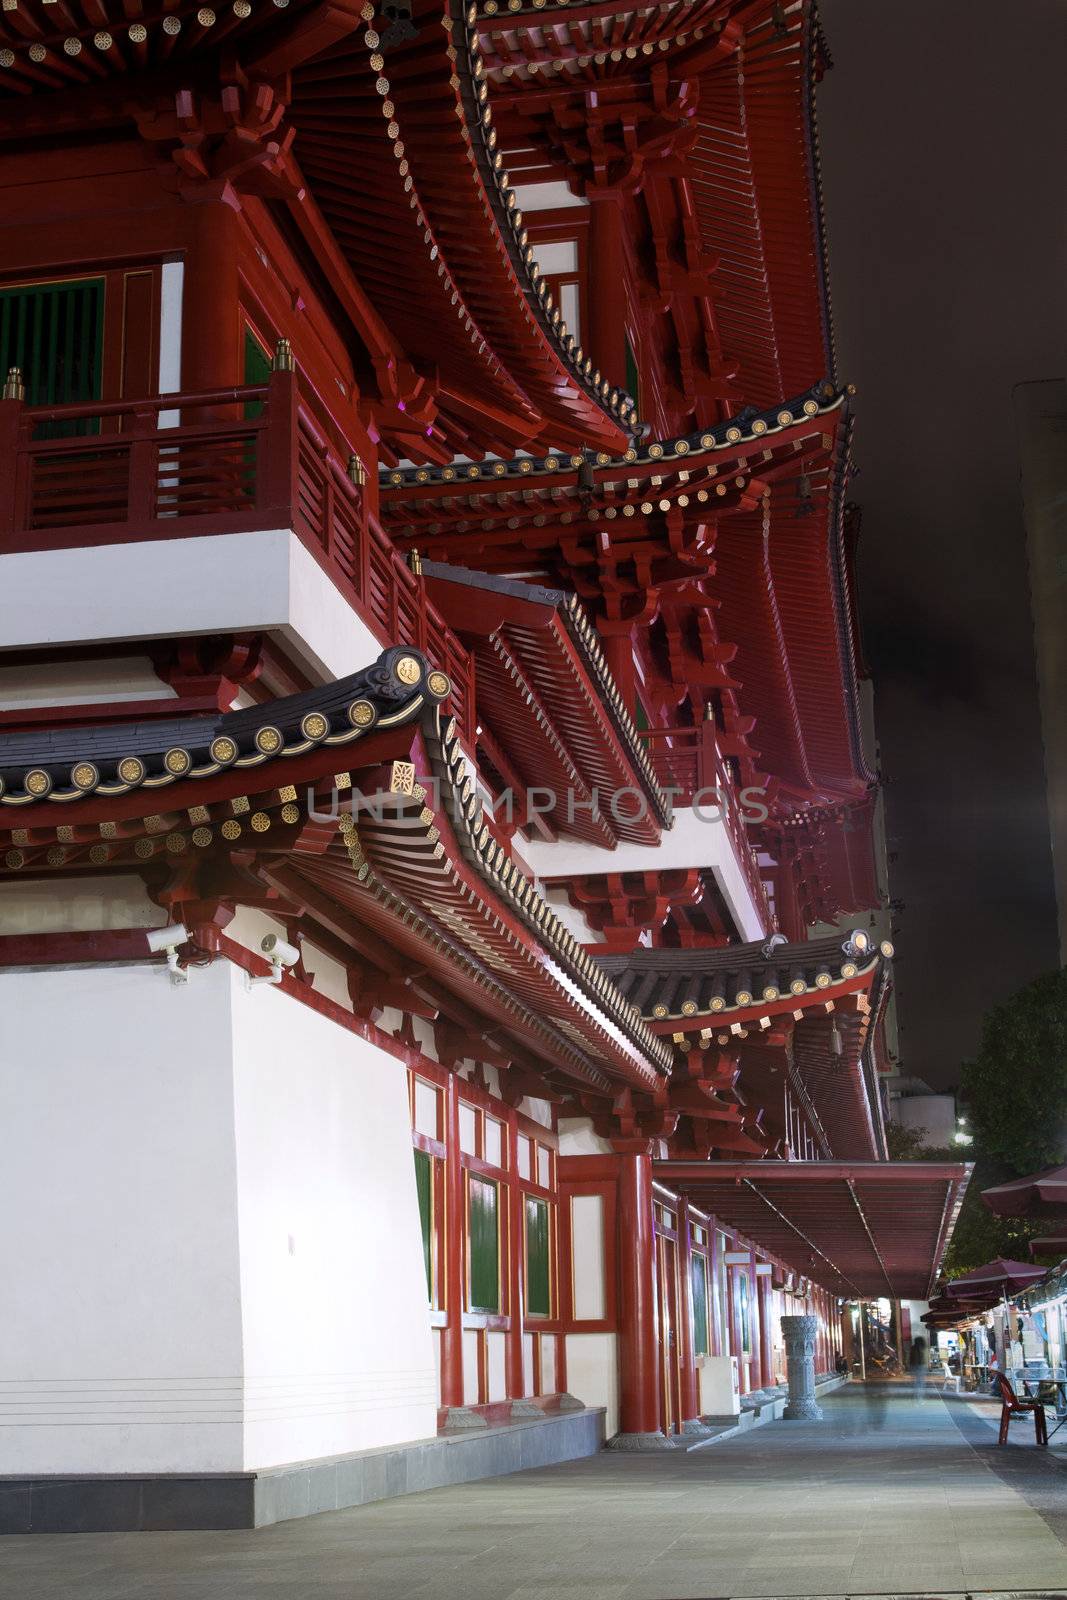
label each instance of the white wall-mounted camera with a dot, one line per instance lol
(281, 955)
(168, 939)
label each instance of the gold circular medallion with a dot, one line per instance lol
(176, 843)
(659, 1011)
(785, 418)
(290, 813)
(14, 859)
(759, 427)
(268, 740)
(260, 821)
(231, 830)
(770, 992)
(718, 1003)
(361, 713)
(742, 998)
(849, 969)
(438, 683)
(707, 440)
(131, 769)
(201, 837)
(99, 854)
(408, 670)
(689, 1008)
(84, 775)
(56, 856)
(38, 782)
(177, 762)
(144, 848)
(887, 948)
(223, 750)
(733, 434)
(314, 726)
(810, 407)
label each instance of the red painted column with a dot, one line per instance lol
(516, 1255)
(766, 1333)
(606, 335)
(690, 1392)
(212, 355)
(452, 1336)
(639, 1410)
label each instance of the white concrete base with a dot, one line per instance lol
(214, 1259)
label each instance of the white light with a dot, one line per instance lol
(962, 1138)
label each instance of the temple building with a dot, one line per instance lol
(444, 957)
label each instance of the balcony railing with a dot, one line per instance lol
(237, 460)
(689, 763)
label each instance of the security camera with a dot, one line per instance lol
(281, 955)
(168, 939)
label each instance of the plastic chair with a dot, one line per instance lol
(1011, 1406)
(950, 1383)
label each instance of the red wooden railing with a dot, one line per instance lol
(228, 461)
(689, 763)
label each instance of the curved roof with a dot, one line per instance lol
(399, 148)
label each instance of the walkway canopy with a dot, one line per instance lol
(1042, 1194)
(875, 1228)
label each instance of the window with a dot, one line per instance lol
(483, 1243)
(54, 332)
(700, 1306)
(742, 1312)
(633, 376)
(538, 1279)
(257, 369)
(424, 1185)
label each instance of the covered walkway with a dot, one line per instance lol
(885, 1496)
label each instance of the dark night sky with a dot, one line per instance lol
(944, 156)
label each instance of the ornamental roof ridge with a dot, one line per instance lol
(747, 425)
(112, 759)
(722, 980)
(473, 93)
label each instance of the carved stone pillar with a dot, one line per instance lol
(800, 1335)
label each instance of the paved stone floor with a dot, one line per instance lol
(887, 1495)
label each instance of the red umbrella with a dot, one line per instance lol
(1048, 1244)
(1000, 1276)
(1042, 1194)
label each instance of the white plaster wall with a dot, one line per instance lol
(337, 1344)
(143, 591)
(699, 837)
(79, 683)
(593, 1372)
(84, 905)
(120, 1339)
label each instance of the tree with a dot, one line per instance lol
(1016, 1086)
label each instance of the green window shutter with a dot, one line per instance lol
(742, 1306)
(633, 376)
(484, 1244)
(538, 1290)
(424, 1185)
(54, 332)
(257, 369)
(700, 1306)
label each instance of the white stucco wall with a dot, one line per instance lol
(337, 1344)
(120, 1340)
(212, 1256)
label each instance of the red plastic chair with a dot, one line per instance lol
(1013, 1406)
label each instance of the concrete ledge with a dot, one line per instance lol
(755, 1416)
(151, 1502)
